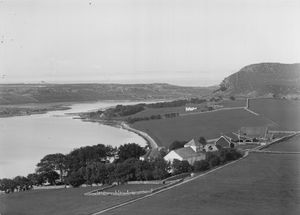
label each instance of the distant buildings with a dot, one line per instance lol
(190, 108)
(226, 142)
(253, 134)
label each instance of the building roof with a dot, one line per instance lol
(254, 132)
(192, 142)
(186, 152)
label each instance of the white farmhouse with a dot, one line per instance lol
(191, 152)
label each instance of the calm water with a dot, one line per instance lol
(24, 140)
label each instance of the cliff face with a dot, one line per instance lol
(264, 79)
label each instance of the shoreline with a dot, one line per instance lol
(150, 142)
(6, 112)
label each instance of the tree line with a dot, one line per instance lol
(101, 164)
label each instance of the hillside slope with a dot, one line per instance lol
(43, 93)
(264, 79)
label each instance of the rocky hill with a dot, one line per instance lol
(264, 79)
(45, 93)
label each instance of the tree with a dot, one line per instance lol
(161, 169)
(75, 179)
(50, 176)
(83, 156)
(202, 140)
(7, 185)
(232, 98)
(22, 183)
(124, 172)
(52, 162)
(130, 150)
(35, 179)
(177, 144)
(181, 167)
(229, 155)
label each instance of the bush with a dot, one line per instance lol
(181, 167)
(202, 165)
(229, 155)
(213, 159)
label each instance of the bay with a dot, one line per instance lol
(24, 140)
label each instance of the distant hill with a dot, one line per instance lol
(264, 79)
(44, 93)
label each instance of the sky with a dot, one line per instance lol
(183, 42)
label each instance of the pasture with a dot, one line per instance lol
(208, 124)
(286, 113)
(58, 202)
(258, 184)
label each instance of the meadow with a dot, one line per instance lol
(209, 124)
(286, 113)
(258, 184)
(58, 202)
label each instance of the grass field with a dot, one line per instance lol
(291, 145)
(259, 184)
(58, 202)
(210, 125)
(285, 113)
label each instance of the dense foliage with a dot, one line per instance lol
(92, 164)
(176, 103)
(124, 110)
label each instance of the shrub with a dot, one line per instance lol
(181, 167)
(201, 165)
(213, 159)
(229, 155)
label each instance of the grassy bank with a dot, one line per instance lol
(59, 202)
(255, 185)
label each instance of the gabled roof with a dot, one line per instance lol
(226, 138)
(192, 142)
(229, 135)
(186, 152)
(254, 132)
